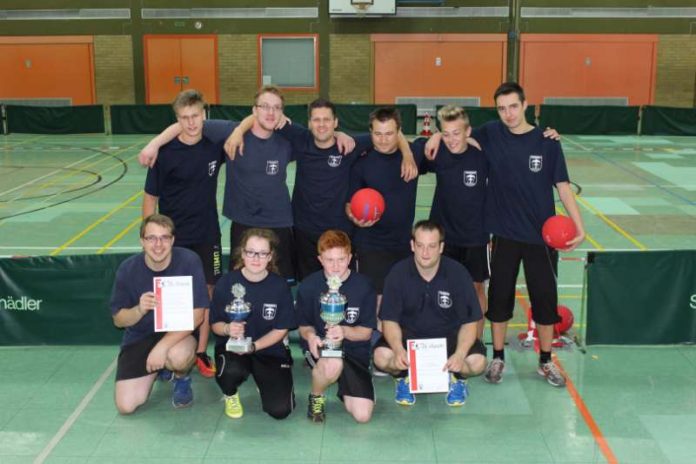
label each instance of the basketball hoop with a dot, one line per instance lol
(361, 6)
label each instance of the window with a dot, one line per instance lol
(289, 61)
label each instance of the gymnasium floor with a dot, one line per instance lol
(81, 194)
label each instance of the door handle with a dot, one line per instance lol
(185, 80)
(177, 80)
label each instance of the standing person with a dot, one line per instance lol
(458, 204)
(182, 184)
(256, 194)
(352, 372)
(430, 296)
(145, 352)
(324, 159)
(380, 244)
(524, 167)
(254, 280)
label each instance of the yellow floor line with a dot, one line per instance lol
(119, 236)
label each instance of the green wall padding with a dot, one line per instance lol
(296, 113)
(55, 119)
(663, 120)
(590, 120)
(641, 298)
(141, 119)
(355, 118)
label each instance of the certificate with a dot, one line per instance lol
(174, 309)
(426, 359)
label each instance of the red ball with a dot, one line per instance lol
(567, 320)
(557, 231)
(367, 204)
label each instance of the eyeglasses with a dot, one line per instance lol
(268, 108)
(158, 238)
(256, 254)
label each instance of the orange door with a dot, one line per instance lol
(175, 63)
(47, 68)
(437, 65)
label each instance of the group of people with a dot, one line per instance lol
(400, 281)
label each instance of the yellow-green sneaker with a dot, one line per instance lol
(233, 407)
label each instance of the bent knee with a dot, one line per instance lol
(362, 416)
(279, 413)
(126, 408)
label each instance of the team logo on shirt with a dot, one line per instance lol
(272, 167)
(352, 315)
(535, 163)
(334, 160)
(269, 311)
(211, 168)
(470, 178)
(444, 299)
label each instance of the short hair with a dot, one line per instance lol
(274, 89)
(266, 234)
(384, 114)
(428, 225)
(333, 238)
(159, 219)
(188, 97)
(507, 88)
(451, 113)
(321, 103)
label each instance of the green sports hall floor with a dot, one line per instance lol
(81, 194)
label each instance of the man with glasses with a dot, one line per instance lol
(145, 352)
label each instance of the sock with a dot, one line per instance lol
(544, 357)
(499, 354)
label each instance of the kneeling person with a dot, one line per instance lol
(351, 371)
(255, 284)
(145, 352)
(430, 296)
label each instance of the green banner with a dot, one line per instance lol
(355, 118)
(662, 120)
(296, 113)
(60, 300)
(590, 120)
(55, 119)
(141, 119)
(641, 298)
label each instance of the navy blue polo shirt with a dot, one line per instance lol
(430, 309)
(184, 178)
(523, 169)
(271, 308)
(361, 309)
(383, 173)
(133, 278)
(321, 181)
(255, 190)
(460, 194)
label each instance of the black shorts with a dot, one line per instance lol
(474, 259)
(211, 257)
(477, 348)
(132, 360)
(376, 264)
(284, 254)
(305, 253)
(355, 379)
(540, 270)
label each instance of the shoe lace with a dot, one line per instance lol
(402, 387)
(497, 366)
(318, 404)
(233, 401)
(457, 387)
(552, 370)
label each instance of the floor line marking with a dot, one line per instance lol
(119, 236)
(612, 224)
(70, 421)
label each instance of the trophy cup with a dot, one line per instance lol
(237, 311)
(332, 306)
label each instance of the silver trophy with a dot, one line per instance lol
(332, 307)
(237, 311)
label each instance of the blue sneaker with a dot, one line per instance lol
(182, 396)
(458, 392)
(165, 375)
(403, 395)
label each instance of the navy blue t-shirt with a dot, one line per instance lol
(523, 169)
(360, 310)
(383, 173)
(133, 278)
(255, 190)
(184, 179)
(460, 194)
(321, 181)
(430, 309)
(271, 308)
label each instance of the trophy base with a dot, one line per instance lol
(241, 345)
(331, 353)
